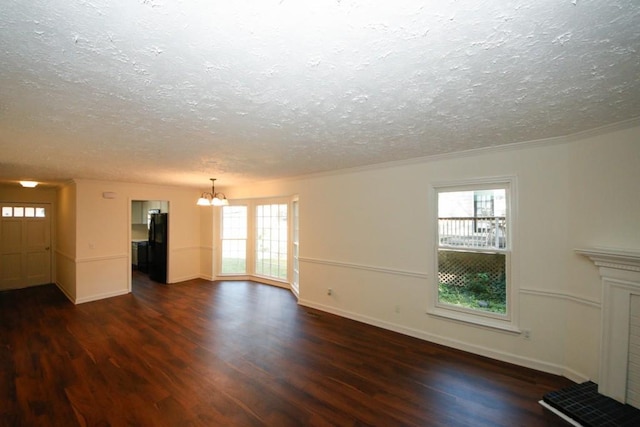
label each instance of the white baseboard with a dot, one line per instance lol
(100, 296)
(64, 291)
(184, 278)
(574, 376)
(257, 279)
(459, 345)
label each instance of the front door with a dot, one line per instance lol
(25, 245)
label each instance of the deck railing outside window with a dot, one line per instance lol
(473, 232)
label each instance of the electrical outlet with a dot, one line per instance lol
(526, 334)
(329, 291)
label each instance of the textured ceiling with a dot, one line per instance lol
(175, 92)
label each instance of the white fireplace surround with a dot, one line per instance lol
(620, 273)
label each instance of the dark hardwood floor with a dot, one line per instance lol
(238, 353)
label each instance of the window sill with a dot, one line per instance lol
(475, 320)
(255, 278)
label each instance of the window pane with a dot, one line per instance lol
(234, 243)
(234, 257)
(18, 212)
(30, 212)
(40, 212)
(472, 280)
(234, 222)
(271, 240)
(7, 211)
(296, 214)
(473, 249)
(473, 219)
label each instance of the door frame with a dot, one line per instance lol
(49, 209)
(164, 203)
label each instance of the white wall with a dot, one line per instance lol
(16, 193)
(604, 211)
(65, 247)
(103, 233)
(365, 234)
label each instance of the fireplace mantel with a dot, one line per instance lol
(613, 258)
(620, 274)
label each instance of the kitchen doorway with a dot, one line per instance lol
(145, 258)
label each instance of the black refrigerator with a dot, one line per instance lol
(158, 239)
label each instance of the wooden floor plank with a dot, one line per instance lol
(205, 353)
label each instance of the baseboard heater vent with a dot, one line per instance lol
(583, 404)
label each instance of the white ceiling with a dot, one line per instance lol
(175, 92)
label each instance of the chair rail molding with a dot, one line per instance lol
(620, 275)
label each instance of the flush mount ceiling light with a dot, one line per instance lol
(213, 198)
(28, 184)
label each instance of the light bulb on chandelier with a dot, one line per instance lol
(212, 198)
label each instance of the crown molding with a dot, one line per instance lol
(536, 143)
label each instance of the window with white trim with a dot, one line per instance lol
(256, 239)
(234, 240)
(271, 240)
(474, 224)
(295, 217)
